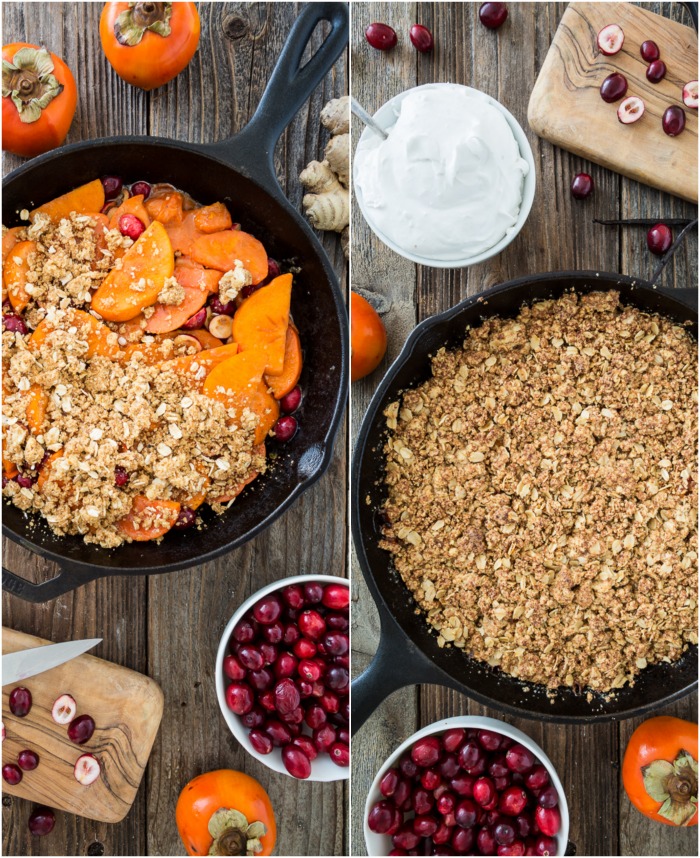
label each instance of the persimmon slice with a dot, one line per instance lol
(149, 519)
(197, 282)
(85, 199)
(146, 265)
(15, 273)
(220, 250)
(195, 368)
(262, 320)
(101, 340)
(281, 384)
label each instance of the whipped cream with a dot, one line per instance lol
(447, 183)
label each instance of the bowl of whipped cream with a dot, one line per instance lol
(454, 180)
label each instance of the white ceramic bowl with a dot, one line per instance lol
(380, 844)
(386, 117)
(322, 768)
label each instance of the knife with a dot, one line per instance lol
(28, 662)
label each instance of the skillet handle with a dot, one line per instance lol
(287, 90)
(64, 582)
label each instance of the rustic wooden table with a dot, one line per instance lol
(558, 235)
(169, 627)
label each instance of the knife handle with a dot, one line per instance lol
(64, 582)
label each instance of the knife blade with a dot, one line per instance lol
(28, 662)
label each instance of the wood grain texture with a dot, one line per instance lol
(566, 107)
(558, 235)
(126, 707)
(169, 626)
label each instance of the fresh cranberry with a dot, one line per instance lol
(337, 622)
(185, 518)
(121, 477)
(408, 768)
(304, 648)
(12, 774)
(285, 428)
(28, 760)
(268, 609)
(311, 624)
(291, 633)
(336, 597)
(337, 679)
(523, 825)
(273, 268)
(267, 700)
(388, 784)
(131, 226)
(293, 719)
(548, 820)
(504, 833)
(26, 481)
(219, 308)
(446, 803)
(537, 778)
(517, 847)
(520, 759)
(649, 51)
(425, 826)
(254, 718)
(484, 791)
(485, 842)
(513, 801)
(673, 120)
(278, 732)
(656, 71)
(260, 741)
(339, 753)
(466, 813)
(195, 322)
(581, 186)
(463, 784)
(239, 698)
(430, 779)
(426, 752)
(20, 701)
(442, 835)
(313, 592)
(246, 631)
(291, 401)
(384, 818)
(324, 736)
(659, 238)
(269, 653)
(613, 88)
(422, 801)
(448, 766)
(260, 679)
(453, 738)
(405, 838)
(273, 632)
(462, 840)
(286, 665)
(41, 821)
(293, 595)
(13, 323)
(489, 740)
(315, 716)
(310, 670)
(233, 668)
(548, 797)
(286, 696)
(112, 186)
(141, 189)
(545, 845)
(296, 762)
(492, 15)
(251, 657)
(421, 38)
(381, 36)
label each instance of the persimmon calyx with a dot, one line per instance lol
(675, 785)
(139, 17)
(29, 82)
(233, 834)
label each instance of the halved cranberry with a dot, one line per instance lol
(268, 609)
(381, 36)
(239, 698)
(492, 15)
(131, 226)
(291, 401)
(296, 762)
(426, 751)
(649, 51)
(690, 94)
(141, 188)
(285, 428)
(260, 741)
(611, 39)
(28, 760)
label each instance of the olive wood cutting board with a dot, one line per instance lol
(126, 707)
(566, 108)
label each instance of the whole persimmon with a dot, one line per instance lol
(148, 44)
(225, 813)
(367, 337)
(39, 97)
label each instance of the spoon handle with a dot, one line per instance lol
(362, 114)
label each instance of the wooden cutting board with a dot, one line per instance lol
(127, 708)
(566, 108)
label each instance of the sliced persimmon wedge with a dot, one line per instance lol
(83, 200)
(261, 322)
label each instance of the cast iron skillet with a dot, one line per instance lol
(408, 652)
(239, 171)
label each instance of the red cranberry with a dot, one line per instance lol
(337, 622)
(485, 842)
(286, 696)
(466, 813)
(548, 820)
(545, 845)
(291, 401)
(286, 665)
(195, 322)
(497, 767)
(337, 678)
(463, 784)
(121, 476)
(402, 793)
(315, 716)
(26, 481)
(649, 51)
(291, 633)
(313, 592)
(324, 737)
(267, 700)
(425, 826)
(251, 657)
(517, 847)
(430, 779)
(489, 740)
(293, 595)
(219, 308)
(421, 38)
(613, 88)
(13, 323)
(260, 679)
(28, 760)
(239, 698)
(246, 631)
(426, 752)
(294, 718)
(656, 71)
(442, 834)
(254, 718)
(523, 825)
(422, 801)
(20, 701)
(381, 36)
(492, 15)
(112, 186)
(273, 632)
(131, 226)
(273, 267)
(41, 821)
(310, 670)
(336, 596)
(327, 699)
(339, 753)
(304, 648)
(141, 189)
(581, 186)
(384, 818)
(548, 797)
(296, 762)
(659, 239)
(462, 840)
(446, 803)
(260, 741)
(448, 766)
(520, 759)
(305, 744)
(504, 833)
(185, 518)
(80, 729)
(673, 121)
(484, 791)
(405, 838)
(285, 428)
(453, 738)
(247, 291)
(408, 768)
(268, 609)
(512, 801)
(311, 624)
(537, 778)
(472, 759)
(388, 784)
(278, 732)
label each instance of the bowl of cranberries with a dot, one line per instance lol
(467, 786)
(282, 676)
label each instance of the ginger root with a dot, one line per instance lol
(327, 205)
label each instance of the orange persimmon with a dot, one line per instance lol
(367, 337)
(660, 770)
(148, 44)
(220, 250)
(195, 368)
(9, 239)
(281, 384)
(208, 341)
(147, 263)
(262, 320)
(101, 340)
(197, 282)
(149, 519)
(165, 208)
(34, 78)
(213, 218)
(14, 275)
(37, 403)
(87, 199)
(131, 205)
(216, 801)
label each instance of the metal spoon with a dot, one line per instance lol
(362, 114)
